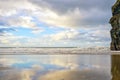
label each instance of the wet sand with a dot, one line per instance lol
(55, 67)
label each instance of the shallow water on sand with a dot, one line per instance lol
(59, 67)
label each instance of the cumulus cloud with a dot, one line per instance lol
(64, 6)
(13, 7)
(92, 36)
(73, 13)
(76, 12)
(15, 14)
(37, 30)
(9, 39)
(4, 33)
(22, 21)
(65, 35)
(68, 14)
(4, 30)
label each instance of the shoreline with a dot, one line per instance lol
(57, 51)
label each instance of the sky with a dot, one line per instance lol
(55, 23)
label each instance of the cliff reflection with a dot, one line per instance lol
(115, 70)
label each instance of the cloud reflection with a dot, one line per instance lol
(14, 74)
(75, 75)
(54, 67)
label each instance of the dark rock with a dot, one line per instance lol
(115, 23)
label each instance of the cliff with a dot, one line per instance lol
(115, 23)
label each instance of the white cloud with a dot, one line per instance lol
(65, 35)
(22, 21)
(68, 14)
(37, 30)
(16, 14)
(74, 13)
(12, 7)
(47, 12)
(69, 37)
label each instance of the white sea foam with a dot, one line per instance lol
(100, 50)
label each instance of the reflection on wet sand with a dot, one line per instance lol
(4, 68)
(115, 70)
(55, 67)
(54, 75)
(76, 75)
(13, 74)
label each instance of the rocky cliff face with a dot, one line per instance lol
(115, 23)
